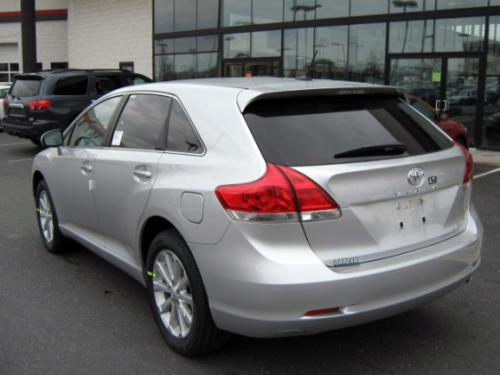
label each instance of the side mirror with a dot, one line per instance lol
(52, 138)
(443, 116)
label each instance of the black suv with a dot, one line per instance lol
(38, 102)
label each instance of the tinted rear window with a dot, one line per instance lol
(71, 86)
(26, 87)
(312, 130)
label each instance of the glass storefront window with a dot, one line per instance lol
(332, 8)
(368, 7)
(208, 14)
(367, 52)
(237, 12)
(298, 51)
(185, 45)
(185, 15)
(331, 56)
(207, 43)
(163, 46)
(459, 34)
(164, 67)
(185, 66)
(403, 6)
(206, 65)
(411, 36)
(300, 10)
(455, 4)
(266, 43)
(164, 16)
(491, 122)
(267, 11)
(236, 45)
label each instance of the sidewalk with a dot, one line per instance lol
(486, 157)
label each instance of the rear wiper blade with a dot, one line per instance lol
(379, 150)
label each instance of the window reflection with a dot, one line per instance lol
(367, 52)
(266, 43)
(411, 36)
(164, 16)
(331, 57)
(298, 51)
(368, 7)
(300, 10)
(236, 45)
(459, 34)
(454, 4)
(267, 11)
(237, 12)
(208, 14)
(491, 124)
(332, 8)
(185, 66)
(404, 6)
(185, 15)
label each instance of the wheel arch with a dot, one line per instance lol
(151, 227)
(37, 177)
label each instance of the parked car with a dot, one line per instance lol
(264, 207)
(454, 129)
(4, 89)
(47, 100)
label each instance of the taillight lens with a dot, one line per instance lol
(39, 105)
(469, 163)
(281, 194)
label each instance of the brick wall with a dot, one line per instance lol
(103, 33)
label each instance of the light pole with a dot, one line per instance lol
(405, 4)
(28, 33)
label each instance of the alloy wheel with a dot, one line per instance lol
(45, 216)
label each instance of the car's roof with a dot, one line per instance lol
(247, 89)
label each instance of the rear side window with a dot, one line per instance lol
(340, 129)
(26, 87)
(106, 84)
(131, 80)
(71, 86)
(142, 122)
(181, 135)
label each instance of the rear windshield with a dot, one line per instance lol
(26, 86)
(340, 129)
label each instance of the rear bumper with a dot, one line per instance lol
(31, 131)
(265, 295)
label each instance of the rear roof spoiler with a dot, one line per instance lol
(246, 97)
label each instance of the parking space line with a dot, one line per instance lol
(19, 160)
(14, 144)
(496, 170)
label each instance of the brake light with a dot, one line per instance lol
(469, 163)
(282, 194)
(39, 105)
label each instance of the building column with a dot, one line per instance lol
(28, 32)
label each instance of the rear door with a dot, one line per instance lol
(396, 177)
(126, 171)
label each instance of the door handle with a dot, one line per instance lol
(87, 167)
(142, 173)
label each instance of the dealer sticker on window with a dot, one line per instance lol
(117, 138)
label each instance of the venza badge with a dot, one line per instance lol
(416, 177)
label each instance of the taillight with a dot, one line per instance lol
(282, 194)
(469, 163)
(39, 105)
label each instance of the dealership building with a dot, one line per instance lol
(446, 52)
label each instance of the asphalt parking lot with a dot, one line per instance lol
(76, 314)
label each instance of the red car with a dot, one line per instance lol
(454, 129)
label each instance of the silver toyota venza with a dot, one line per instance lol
(263, 207)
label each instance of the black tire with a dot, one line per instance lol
(36, 142)
(56, 245)
(463, 142)
(203, 335)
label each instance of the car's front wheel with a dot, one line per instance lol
(48, 223)
(178, 299)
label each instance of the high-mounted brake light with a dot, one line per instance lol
(469, 163)
(282, 194)
(39, 105)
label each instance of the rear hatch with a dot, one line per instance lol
(25, 89)
(397, 179)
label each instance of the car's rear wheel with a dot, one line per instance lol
(48, 223)
(36, 141)
(178, 299)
